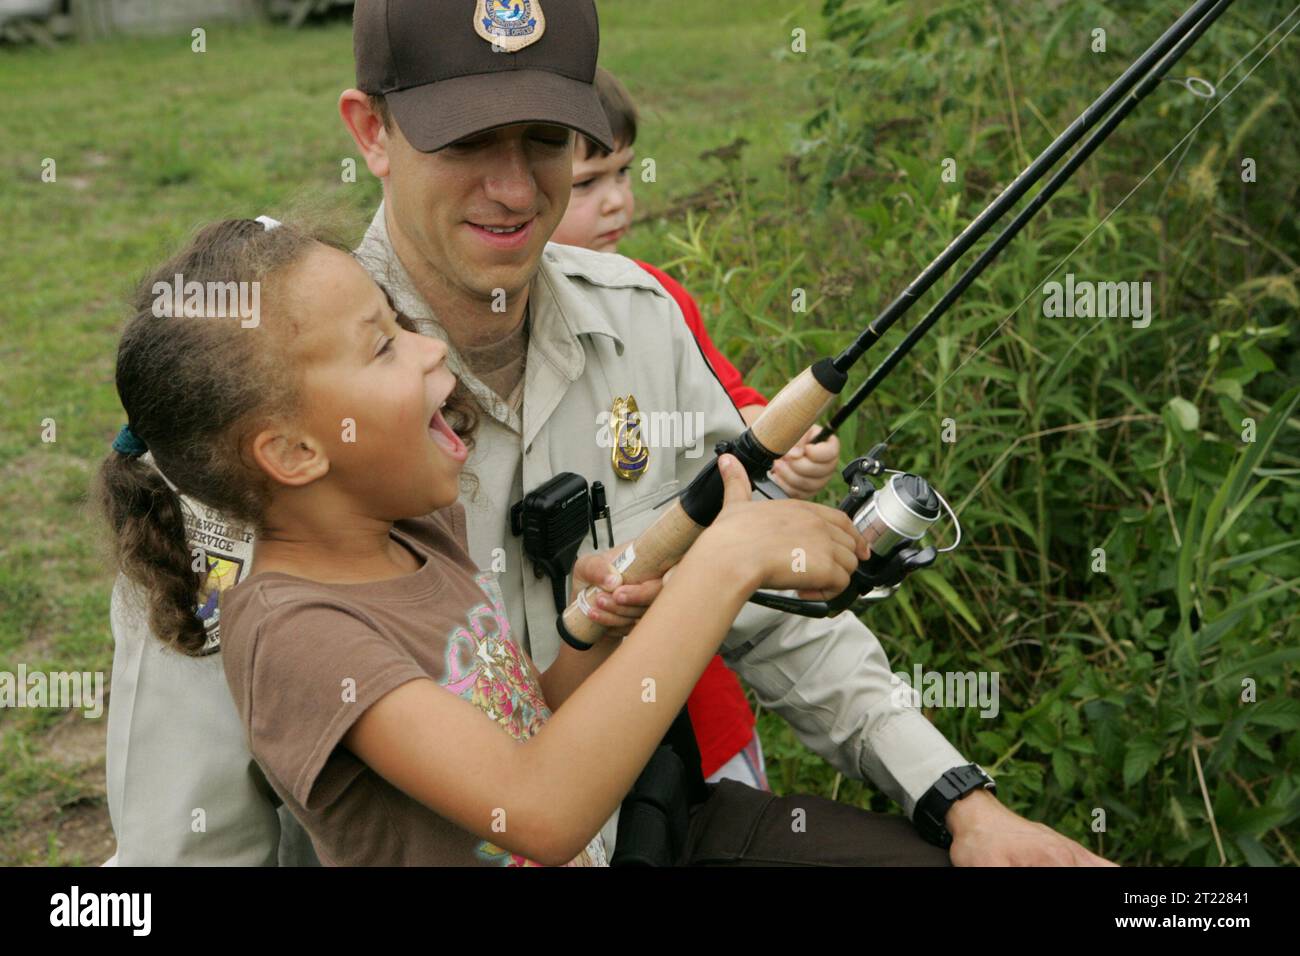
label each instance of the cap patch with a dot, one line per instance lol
(509, 25)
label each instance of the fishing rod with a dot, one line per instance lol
(893, 518)
(1013, 228)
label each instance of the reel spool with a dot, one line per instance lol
(892, 519)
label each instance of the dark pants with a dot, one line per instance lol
(740, 826)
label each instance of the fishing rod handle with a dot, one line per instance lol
(797, 407)
(784, 421)
(655, 550)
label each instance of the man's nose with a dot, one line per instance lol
(508, 176)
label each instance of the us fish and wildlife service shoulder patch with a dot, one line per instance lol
(509, 25)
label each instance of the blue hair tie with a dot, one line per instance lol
(128, 443)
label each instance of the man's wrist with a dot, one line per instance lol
(935, 808)
(966, 811)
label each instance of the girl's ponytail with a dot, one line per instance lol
(147, 519)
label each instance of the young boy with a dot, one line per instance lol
(598, 216)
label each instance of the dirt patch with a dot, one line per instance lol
(77, 742)
(79, 835)
(77, 832)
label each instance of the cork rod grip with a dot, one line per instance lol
(654, 551)
(792, 412)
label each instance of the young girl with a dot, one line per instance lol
(382, 690)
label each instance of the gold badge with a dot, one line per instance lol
(630, 455)
(509, 25)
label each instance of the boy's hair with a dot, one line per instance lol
(619, 109)
(195, 389)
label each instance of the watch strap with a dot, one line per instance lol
(932, 809)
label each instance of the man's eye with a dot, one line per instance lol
(388, 345)
(465, 145)
(551, 141)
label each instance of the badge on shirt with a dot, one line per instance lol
(630, 455)
(509, 25)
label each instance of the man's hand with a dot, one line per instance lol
(624, 604)
(985, 833)
(806, 468)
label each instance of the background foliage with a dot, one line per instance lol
(1120, 690)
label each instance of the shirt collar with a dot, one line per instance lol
(579, 311)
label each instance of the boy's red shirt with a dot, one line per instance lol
(719, 712)
(741, 394)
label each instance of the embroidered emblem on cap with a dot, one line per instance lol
(509, 25)
(630, 454)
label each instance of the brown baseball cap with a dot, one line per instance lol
(449, 69)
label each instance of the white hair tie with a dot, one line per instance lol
(268, 222)
(154, 464)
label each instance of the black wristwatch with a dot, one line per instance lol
(932, 808)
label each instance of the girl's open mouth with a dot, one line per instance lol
(446, 439)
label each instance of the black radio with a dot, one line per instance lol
(553, 519)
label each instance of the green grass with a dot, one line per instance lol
(1121, 691)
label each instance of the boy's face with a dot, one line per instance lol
(601, 204)
(360, 363)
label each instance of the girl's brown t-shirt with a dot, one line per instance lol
(304, 660)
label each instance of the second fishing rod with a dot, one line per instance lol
(895, 517)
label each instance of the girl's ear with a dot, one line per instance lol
(289, 458)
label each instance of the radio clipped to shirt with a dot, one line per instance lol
(553, 520)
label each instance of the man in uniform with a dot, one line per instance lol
(465, 112)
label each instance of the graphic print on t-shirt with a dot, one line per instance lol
(486, 667)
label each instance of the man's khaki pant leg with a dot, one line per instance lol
(741, 826)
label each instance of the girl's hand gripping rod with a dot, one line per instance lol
(892, 520)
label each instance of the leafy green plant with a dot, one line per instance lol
(1154, 692)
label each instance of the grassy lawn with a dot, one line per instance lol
(151, 139)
